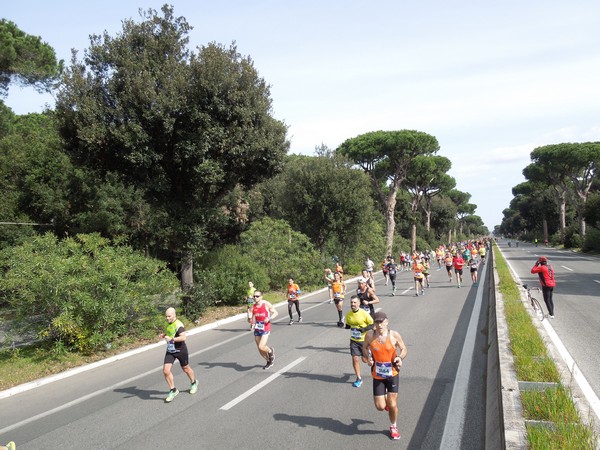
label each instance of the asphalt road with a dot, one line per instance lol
(576, 303)
(306, 401)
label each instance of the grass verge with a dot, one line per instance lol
(563, 428)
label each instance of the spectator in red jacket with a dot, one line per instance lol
(546, 273)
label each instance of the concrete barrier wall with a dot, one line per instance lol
(494, 421)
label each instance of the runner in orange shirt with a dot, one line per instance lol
(338, 288)
(383, 350)
(418, 276)
(293, 296)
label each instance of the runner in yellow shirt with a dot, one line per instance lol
(359, 322)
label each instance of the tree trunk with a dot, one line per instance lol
(562, 208)
(390, 208)
(545, 227)
(428, 220)
(449, 235)
(413, 238)
(581, 213)
(187, 272)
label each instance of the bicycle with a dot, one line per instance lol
(537, 308)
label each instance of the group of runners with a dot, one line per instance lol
(455, 257)
(371, 340)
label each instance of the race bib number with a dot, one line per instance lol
(417, 274)
(383, 369)
(260, 326)
(337, 295)
(356, 333)
(250, 300)
(292, 297)
(365, 307)
(171, 347)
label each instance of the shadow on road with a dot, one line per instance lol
(318, 377)
(329, 424)
(229, 365)
(143, 394)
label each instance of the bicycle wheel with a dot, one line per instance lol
(537, 308)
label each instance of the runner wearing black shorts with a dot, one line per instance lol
(175, 337)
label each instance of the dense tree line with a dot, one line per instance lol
(157, 150)
(559, 201)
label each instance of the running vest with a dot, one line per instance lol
(363, 296)
(171, 331)
(261, 314)
(338, 290)
(383, 358)
(418, 270)
(250, 295)
(392, 269)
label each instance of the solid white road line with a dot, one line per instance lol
(587, 390)
(453, 429)
(105, 390)
(261, 385)
(75, 402)
(569, 269)
(585, 387)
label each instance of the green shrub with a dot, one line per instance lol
(592, 240)
(83, 291)
(401, 244)
(283, 252)
(231, 259)
(423, 245)
(355, 268)
(222, 279)
(202, 295)
(573, 239)
(353, 254)
(556, 239)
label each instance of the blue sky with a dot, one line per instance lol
(491, 81)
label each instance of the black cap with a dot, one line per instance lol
(379, 316)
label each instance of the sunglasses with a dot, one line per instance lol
(257, 296)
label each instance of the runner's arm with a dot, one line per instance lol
(400, 345)
(373, 297)
(365, 348)
(272, 311)
(181, 338)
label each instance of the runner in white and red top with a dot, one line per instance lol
(263, 313)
